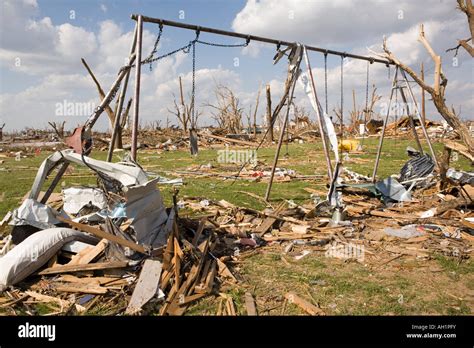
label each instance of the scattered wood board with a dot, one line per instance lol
(269, 221)
(303, 304)
(87, 267)
(89, 254)
(102, 234)
(147, 286)
(250, 304)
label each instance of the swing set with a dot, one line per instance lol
(81, 139)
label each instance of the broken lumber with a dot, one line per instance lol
(81, 288)
(87, 267)
(230, 140)
(147, 286)
(46, 298)
(89, 254)
(250, 304)
(102, 234)
(303, 304)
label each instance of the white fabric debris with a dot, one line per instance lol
(34, 252)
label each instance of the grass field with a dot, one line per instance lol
(437, 286)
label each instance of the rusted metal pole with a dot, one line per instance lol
(118, 112)
(423, 110)
(254, 38)
(280, 142)
(425, 133)
(412, 122)
(379, 150)
(136, 97)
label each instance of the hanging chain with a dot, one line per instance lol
(342, 89)
(191, 45)
(155, 47)
(224, 45)
(193, 89)
(326, 80)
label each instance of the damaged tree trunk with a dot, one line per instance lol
(109, 111)
(466, 7)
(437, 91)
(269, 113)
(1, 131)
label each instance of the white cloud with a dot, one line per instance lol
(341, 25)
(103, 8)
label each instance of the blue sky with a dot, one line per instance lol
(41, 46)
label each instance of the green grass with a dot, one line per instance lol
(338, 287)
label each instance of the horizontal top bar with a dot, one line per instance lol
(255, 38)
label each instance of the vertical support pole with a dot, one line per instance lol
(136, 97)
(123, 92)
(379, 150)
(277, 152)
(412, 123)
(319, 116)
(423, 110)
(425, 133)
(55, 182)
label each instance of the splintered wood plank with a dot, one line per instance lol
(250, 304)
(230, 306)
(82, 288)
(303, 304)
(93, 280)
(168, 252)
(147, 286)
(188, 299)
(177, 307)
(89, 254)
(224, 271)
(88, 267)
(209, 281)
(202, 224)
(46, 298)
(269, 221)
(102, 234)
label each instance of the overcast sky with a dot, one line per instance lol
(42, 43)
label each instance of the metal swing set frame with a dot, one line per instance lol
(81, 139)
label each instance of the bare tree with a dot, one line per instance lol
(228, 112)
(1, 131)
(437, 91)
(301, 117)
(182, 111)
(255, 112)
(58, 128)
(109, 111)
(466, 7)
(369, 111)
